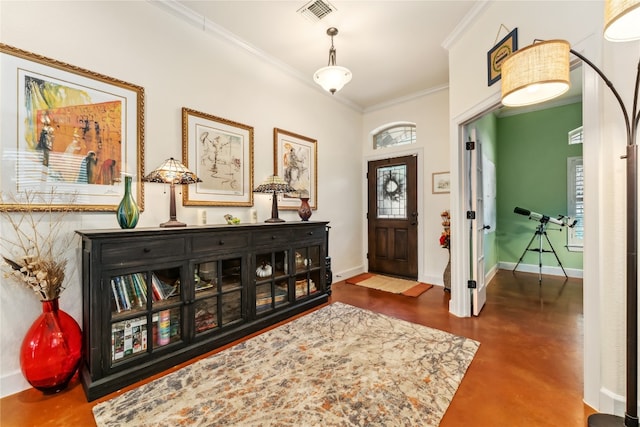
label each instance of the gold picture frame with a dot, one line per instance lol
(220, 153)
(295, 160)
(69, 132)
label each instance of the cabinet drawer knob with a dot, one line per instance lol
(221, 242)
(273, 237)
(146, 250)
(310, 233)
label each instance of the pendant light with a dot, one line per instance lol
(536, 73)
(621, 19)
(332, 78)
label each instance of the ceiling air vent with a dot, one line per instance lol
(315, 10)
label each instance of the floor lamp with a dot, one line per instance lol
(540, 72)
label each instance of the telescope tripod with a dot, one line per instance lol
(541, 230)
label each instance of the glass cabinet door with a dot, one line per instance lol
(307, 271)
(145, 312)
(271, 280)
(218, 294)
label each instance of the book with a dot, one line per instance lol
(164, 290)
(115, 296)
(124, 301)
(140, 296)
(128, 337)
(131, 291)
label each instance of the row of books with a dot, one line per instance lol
(130, 291)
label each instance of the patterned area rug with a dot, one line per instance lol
(409, 288)
(337, 366)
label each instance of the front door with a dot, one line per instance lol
(393, 216)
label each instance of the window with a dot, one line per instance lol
(575, 203)
(394, 134)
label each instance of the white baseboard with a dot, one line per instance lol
(12, 383)
(533, 268)
(346, 274)
(612, 403)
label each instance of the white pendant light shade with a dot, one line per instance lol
(332, 78)
(536, 73)
(622, 20)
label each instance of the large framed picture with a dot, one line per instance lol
(69, 132)
(295, 158)
(220, 153)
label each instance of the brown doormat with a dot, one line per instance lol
(410, 288)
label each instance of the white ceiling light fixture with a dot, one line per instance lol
(332, 78)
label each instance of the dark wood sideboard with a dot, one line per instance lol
(154, 298)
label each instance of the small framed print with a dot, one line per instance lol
(497, 55)
(440, 182)
(295, 158)
(220, 153)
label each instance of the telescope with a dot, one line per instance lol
(561, 220)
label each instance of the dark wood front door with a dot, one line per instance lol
(393, 216)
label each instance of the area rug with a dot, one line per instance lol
(337, 366)
(409, 288)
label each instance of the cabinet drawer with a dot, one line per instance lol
(220, 241)
(139, 251)
(309, 233)
(274, 237)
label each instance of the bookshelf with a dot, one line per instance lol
(156, 297)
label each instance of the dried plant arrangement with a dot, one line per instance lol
(37, 243)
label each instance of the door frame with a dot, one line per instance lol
(388, 154)
(459, 304)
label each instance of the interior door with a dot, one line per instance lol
(393, 216)
(476, 226)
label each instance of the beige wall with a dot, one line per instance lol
(179, 65)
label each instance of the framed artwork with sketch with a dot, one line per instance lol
(295, 158)
(67, 135)
(220, 153)
(440, 182)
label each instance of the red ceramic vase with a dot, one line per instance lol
(304, 210)
(51, 350)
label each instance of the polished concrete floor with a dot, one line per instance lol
(527, 372)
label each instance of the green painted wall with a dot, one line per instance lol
(532, 174)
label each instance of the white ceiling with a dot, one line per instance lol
(393, 48)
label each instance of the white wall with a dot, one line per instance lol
(579, 22)
(430, 114)
(179, 65)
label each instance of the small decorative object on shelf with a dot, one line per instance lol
(51, 349)
(445, 242)
(304, 210)
(128, 211)
(231, 219)
(264, 270)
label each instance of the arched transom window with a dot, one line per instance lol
(394, 134)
